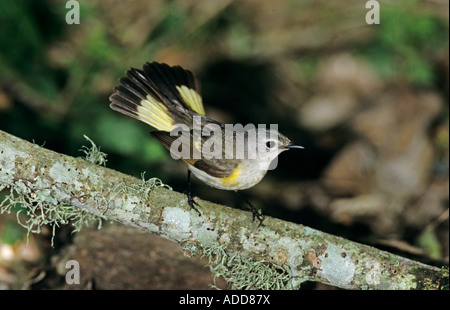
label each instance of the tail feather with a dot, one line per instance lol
(157, 94)
(177, 84)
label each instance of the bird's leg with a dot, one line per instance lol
(255, 213)
(191, 200)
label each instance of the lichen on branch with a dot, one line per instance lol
(60, 188)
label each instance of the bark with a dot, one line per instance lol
(238, 248)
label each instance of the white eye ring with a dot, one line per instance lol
(270, 144)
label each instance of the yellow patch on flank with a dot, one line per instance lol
(233, 179)
(191, 98)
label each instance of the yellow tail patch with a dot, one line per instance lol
(155, 114)
(192, 98)
(157, 95)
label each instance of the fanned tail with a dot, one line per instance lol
(158, 95)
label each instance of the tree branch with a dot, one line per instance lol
(279, 254)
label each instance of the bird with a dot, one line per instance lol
(168, 98)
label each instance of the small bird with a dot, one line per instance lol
(168, 99)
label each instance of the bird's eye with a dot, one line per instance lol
(270, 144)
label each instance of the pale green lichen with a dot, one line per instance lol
(373, 276)
(176, 224)
(65, 173)
(409, 282)
(336, 266)
(142, 189)
(243, 273)
(205, 230)
(93, 154)
(251, 242)
(127, 196)
(8, 163)
(36, 204)
(41, 208)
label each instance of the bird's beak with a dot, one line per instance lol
(293, 146)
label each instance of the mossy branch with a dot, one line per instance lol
(57, 188)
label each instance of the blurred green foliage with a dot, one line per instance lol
(404, 36)
(12, 232)
(430, 243)
(60, 92)
(23, 44)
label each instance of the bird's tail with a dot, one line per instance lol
(158, 95)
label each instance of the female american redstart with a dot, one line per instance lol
(168, 99)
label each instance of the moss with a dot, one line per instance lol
(445, 277)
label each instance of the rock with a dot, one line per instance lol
(351, 171)
(390, 166)
(118, 257)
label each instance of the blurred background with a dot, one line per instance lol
(368, 102)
